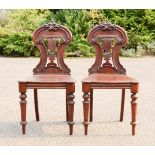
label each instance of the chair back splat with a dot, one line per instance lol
(107, 39)
(52, 39)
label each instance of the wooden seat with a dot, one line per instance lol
(107, 71)
(109, 78)
(51, 40)
(50, 78)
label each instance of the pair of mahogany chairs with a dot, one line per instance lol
(106, 73)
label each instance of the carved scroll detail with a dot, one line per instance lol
(107, 39)
(51, 39)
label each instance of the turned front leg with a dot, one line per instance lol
(134, 91)
(70, 106)
(22, 90)
(86, 106)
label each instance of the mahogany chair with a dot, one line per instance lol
(107, 72)
(51, 39)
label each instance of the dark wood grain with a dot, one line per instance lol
(107, 72)
(51, 72)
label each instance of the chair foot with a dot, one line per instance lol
(133, 127)
(23, 127)
(86, 128)
(71, 127)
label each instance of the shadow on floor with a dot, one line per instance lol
(48, 129)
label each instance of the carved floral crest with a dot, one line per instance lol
(52, 26)
(107, 26)
(107, 47)
(52, 39)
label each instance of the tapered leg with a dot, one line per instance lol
(133, 112)
(86, 104)
(122, 105)
(70, 104)
(36, 104)
(91, 105)
(134, 90)
(23, 102)
(66, 108)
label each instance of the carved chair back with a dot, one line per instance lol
(107, 39)
(52, 39)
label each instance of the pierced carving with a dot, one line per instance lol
(52, 56)
(107, 39)
(107, 57)
(52, 45)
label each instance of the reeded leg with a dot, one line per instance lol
(86, 104)
(66, 108)
(70, 102)
(122, 105)
(36, 104)
(23, 102)
(134, 90)
(91, 105)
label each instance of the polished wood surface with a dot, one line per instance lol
(109, 78)
(50, 78)
(51, 72)
(107, 72)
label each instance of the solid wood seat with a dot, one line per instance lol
(107, 71)
(51, 39)
(50, 79)
(109, 79)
